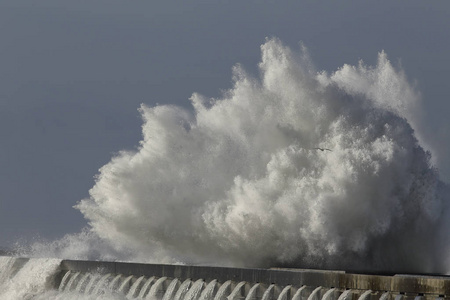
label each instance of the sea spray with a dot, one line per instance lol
(22, 279)
(296, 167)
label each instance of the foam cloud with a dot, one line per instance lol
(239, 181)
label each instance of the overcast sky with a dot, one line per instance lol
(72, 75)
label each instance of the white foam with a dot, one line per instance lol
(34, 278)
(238, 180)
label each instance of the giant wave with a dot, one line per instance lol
(245, 179)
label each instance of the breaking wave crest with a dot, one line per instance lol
(295, 168)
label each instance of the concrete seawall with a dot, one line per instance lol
(398, 287)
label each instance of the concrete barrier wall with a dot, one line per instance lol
(415, 285)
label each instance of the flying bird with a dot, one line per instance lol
(323, 149)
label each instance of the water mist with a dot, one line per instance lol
(295, 168)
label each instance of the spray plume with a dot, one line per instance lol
(242, 180)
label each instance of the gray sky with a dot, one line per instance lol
(72, 75)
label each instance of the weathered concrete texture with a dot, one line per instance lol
(399, 284)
